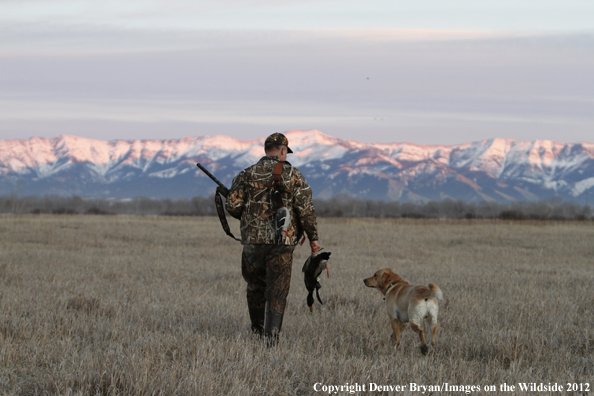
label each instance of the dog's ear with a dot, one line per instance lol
(385, 279)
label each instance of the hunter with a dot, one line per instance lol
(274, 204)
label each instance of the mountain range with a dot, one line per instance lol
(501, 170)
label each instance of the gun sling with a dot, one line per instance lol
(222, 217)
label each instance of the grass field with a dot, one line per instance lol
(118, 305)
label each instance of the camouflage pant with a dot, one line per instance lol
(267, 271)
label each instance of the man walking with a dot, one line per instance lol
(274, 203)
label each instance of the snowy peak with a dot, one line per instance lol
(492, 170)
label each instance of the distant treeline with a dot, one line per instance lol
(340, 206)
(553, 209)
(197, 206)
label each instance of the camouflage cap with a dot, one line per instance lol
(277, 139)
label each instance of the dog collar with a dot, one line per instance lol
(390, 286)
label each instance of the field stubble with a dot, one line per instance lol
(156, 305)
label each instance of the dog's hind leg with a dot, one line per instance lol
(417, 329)
(432, 321)
(433, 327)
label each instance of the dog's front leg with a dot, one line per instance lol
(397, 329)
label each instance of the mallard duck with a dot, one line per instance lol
(312, 269)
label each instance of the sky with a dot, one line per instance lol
(418, 71)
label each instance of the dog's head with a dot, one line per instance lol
(382, 279)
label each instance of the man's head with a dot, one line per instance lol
(277, 145)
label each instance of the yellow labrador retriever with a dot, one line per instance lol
(407, 303)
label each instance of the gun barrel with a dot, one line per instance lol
(214, 179)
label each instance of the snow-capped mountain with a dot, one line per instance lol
(491, 170)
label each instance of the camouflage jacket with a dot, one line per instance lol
(250, 200)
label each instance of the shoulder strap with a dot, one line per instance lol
(276, 186)
(276, 182)
(277, 172)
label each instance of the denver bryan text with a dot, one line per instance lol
(356, 388)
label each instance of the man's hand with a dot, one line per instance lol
(315, 247)
(223, 191)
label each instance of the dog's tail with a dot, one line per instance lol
(435, 291)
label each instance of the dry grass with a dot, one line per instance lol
(156, 305)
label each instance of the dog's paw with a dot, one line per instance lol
(424, 349)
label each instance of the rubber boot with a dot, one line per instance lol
(274, 323)
(257, 318)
